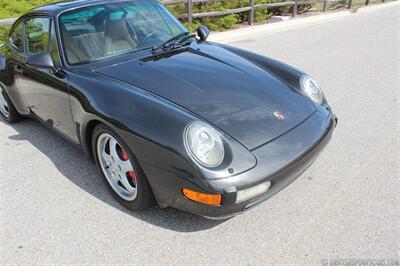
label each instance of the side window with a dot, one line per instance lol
(37, 35)
(16, 37)
(53, 46)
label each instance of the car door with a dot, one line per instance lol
(14, 53)
(45, 90)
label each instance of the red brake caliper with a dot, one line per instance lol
(131, 174)
(124, 155)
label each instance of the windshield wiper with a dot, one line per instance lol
(184, 39)
(170, 43)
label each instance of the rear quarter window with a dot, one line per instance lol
(37, 31)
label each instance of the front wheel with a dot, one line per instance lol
(121, 170)
(7, 109)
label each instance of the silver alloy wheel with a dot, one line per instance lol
(116, 167)
(3, 103)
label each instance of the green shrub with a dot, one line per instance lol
(221, 22)
(261, 14)
(227, 22)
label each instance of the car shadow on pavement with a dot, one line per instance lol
(81, 171)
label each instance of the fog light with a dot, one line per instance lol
(246, 194)
(209, 199)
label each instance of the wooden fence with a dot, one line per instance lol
(189, 15)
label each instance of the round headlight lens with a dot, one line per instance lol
(204, 144)
(312, 89)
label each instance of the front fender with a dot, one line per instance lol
(151, 126)
(284, 72)
(287, 74)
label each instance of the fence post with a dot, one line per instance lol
(366, 2)
(325, 5)
(189, 13)
(251, 22)
(294, 10)
(350, 5)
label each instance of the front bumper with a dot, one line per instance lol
(280, 162)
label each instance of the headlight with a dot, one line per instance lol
(204, 144)
(312, 89)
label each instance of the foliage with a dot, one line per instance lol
(228, 21)
(14, 8)
(3, 34)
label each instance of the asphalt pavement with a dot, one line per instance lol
(55, 209)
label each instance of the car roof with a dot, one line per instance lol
(58, 7)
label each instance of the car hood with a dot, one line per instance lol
(230, 92)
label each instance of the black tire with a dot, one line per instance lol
(13, 115)
(144, 198)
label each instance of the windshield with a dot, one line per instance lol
(105, 30)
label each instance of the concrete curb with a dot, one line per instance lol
(249, 32)
(377, 6)
(7, 21)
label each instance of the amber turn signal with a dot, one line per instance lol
(209, 199)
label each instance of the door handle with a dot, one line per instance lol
(18, 69)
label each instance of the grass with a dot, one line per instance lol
(15, 8)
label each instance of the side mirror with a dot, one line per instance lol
(203, 32)
(41, 60)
